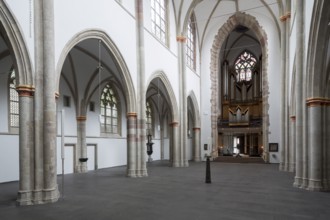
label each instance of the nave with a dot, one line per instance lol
(237, 191)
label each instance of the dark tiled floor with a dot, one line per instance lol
(237, 191)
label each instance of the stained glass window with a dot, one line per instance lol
(191, 43)
(244, 66)
(159, 19)
(14, 102)
(109, 111)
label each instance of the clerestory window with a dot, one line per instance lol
(191, 43)
(244, 66)
(159, 19)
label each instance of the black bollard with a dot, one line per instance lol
(208, 170)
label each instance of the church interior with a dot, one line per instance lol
(113, 96)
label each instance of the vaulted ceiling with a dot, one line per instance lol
(212, 14)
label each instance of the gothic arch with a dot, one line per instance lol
(17, 46)
(239, 18)
(173, 104)
(192, 97)
(317, 64)
(128, 86)
(317, 101)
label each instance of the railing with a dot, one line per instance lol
(253, 122)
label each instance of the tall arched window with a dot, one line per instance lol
(191, 42)
(244, 66)
(149, 118)
(159, 19)
(109, 111)
(13, 102)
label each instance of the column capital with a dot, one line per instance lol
(57, 95)
(317, 101)
(131, 114)
(25, 90)
(285, 17)
(174, 124)
(181, 39)
(81, 118)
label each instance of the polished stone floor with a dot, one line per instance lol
(237, 191)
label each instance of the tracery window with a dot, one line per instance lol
(244, 66)
(13, 102)
(191, 43)
(109, 111)
(149, 118)
(159, 19)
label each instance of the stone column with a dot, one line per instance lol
(141, 92)
(292, 148)
(131, 143)
(38, 104)
(161, 142)
(81, 150)
(26, 143)
(260, 144)
(288, 155)
(226, 80)
(175, 147)
(46, 55)
(197, 144)
(315, 144)
(283, 147)
(245, 143)
(299, 93)
(182, 100)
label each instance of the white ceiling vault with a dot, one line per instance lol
(212, 14)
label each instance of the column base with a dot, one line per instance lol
(305, 183)
(81, 168)
(24, 198)
(142, 173)
(180, 164)
(137, 173)
(37, 197)
(197, 159)
(175, 164)
(131, 173)
(282, 167)
(297, 182)
(51, 195)
(314, 185)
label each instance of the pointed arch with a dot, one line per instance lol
(170, 93)
(197, 120)
(318, 74)
(239, 18)
(128, 87)
(17, 46)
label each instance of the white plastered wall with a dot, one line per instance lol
(116, 20)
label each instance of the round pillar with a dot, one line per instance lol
(131, 144)
(197, 144)
(175, 148)
(81, 150)
(26, 157)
